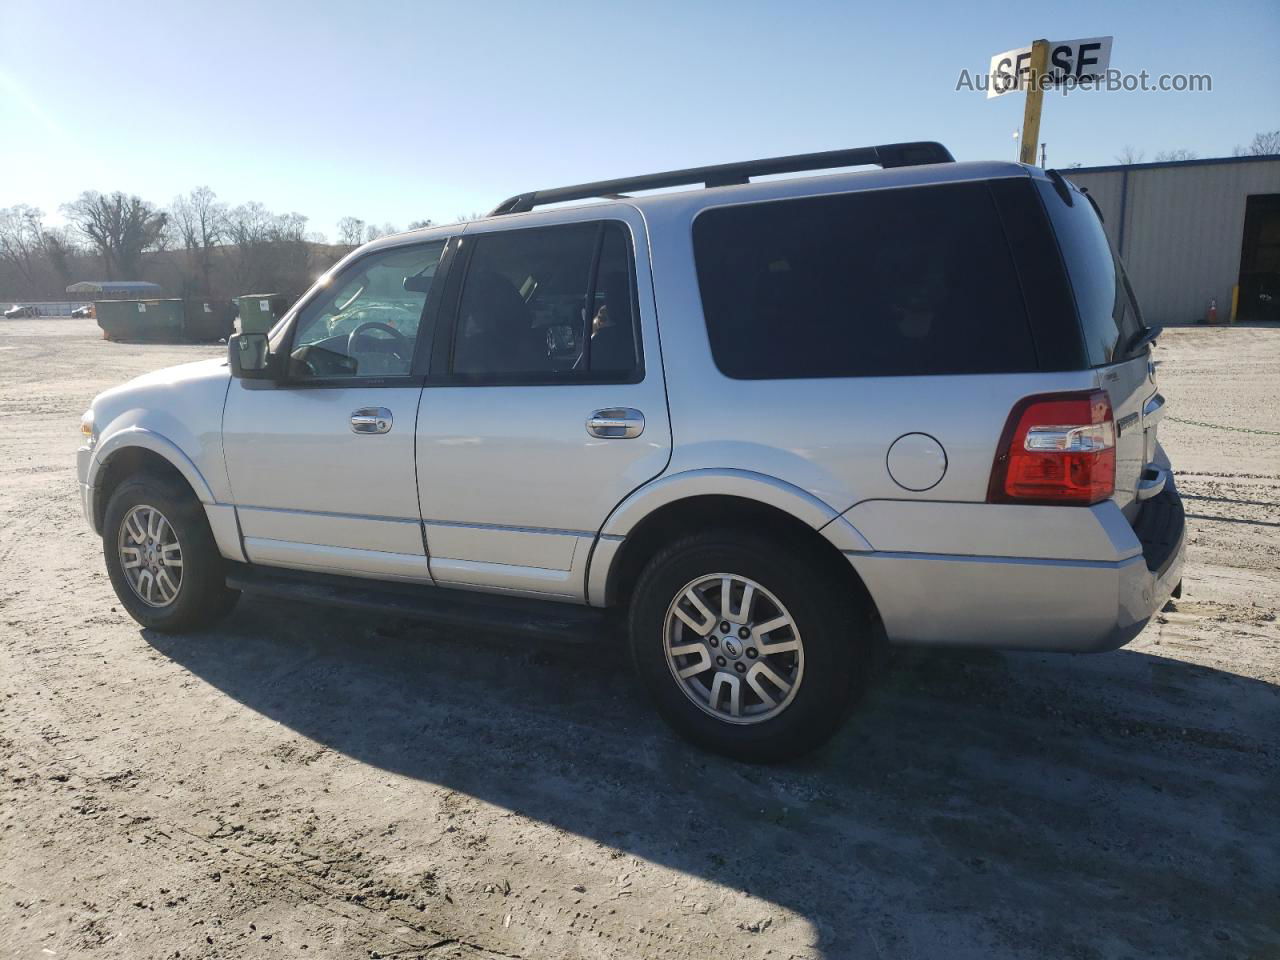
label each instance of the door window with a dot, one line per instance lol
(368, 320)
(548, 305)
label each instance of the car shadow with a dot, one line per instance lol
(976, 804)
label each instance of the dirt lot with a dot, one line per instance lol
(306, 783)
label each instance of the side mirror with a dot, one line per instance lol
(250, 356)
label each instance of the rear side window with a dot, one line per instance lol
(903, 282)
(1109, 317)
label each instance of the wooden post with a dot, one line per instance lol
(1035, 100)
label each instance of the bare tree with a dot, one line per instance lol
(1165, 156)
(419, 224)
(199, 221)
(1130, 155)
(373, 231)
(1262, 145)
(289, 228)
(20, 231)
(248, 231)
(119, 227)
(59, 250)
(289, 259)
(269, 253)
(350, 231)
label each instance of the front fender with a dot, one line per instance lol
(129, 437)
(221, 516)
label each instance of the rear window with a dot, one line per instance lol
(1109, 316)
(904, 282)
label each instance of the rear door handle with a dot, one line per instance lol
(372, 420)
(616, 423)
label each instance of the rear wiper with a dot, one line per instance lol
(1142, 338)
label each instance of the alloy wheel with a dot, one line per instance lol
(150, 556)
(733, 648)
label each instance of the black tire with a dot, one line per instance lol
(202, 597)
(832, 619)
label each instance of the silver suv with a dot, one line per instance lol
(754, 428)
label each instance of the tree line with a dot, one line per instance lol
(1264, 144)
(197, 246)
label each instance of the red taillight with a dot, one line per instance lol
(1056, 448)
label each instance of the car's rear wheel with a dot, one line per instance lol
(161, 557)
(746, 648)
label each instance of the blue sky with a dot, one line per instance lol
(398, 111)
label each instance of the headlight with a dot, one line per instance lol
(87, 429)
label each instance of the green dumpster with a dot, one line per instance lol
(260, 311)
(207, 320)
(156, 320)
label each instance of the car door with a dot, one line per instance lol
(546, 405)
(321, 464)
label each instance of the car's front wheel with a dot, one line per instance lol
(161, 557)
(746, 648)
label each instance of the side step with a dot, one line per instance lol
(543, 619)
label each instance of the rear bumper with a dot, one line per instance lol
(1075, 606)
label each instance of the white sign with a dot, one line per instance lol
(142, 308)
(1070, 61)
(264, 306)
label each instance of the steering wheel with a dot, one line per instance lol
(402, 349)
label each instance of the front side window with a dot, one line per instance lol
(903, 282)
(368, 320)
(547, 305)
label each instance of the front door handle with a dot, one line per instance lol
(616, 423)
(372, 420)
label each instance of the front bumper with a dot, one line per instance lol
(84, 455)
(1075, 606)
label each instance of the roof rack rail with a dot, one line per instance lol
(725, 174)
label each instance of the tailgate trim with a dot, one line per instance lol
(1153, 410)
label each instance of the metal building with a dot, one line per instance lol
(1195, 231)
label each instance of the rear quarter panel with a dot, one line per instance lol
(829, 437)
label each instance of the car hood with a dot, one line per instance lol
(167, 390)
(174, 377)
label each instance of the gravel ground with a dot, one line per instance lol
(308, 783)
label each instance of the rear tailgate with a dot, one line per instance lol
(1115, 338)
(1130, 386)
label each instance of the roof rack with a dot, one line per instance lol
(725, 174)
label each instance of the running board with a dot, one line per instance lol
(544, 619)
